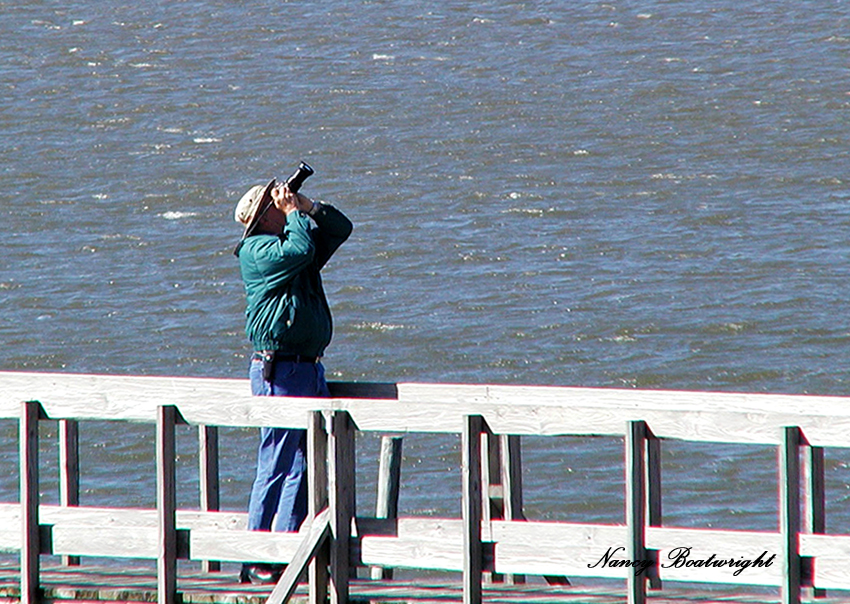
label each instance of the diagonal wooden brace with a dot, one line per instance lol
(313, 540)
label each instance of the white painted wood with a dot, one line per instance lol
(554, 548)
(723, 545)
(110, 541)
(699, 416)
(120, 517)
(832, 573)
(825, 546)
(243, 546)
(429, 554)
(461, 394)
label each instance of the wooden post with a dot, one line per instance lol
(316, 536)
(814, 498)
(69, 471)
(653, 493)
(209, 480)
(511, 473)
(317, 481)
(492, 492)
(389, 476)
(636, 507)
(166, 504)
(789, 513)
(473, 426)
(511, 454)
(341, 502)
(30, 546)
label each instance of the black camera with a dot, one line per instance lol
(295, 181)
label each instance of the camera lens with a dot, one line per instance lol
(295, 181)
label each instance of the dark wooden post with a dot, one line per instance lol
(511, 474)
(653, 492)
(166, 504)
(69, 471)
(209, 479)
(636, 506)
(473, 426)
(30, 546)
(814, 497)
(789, 513)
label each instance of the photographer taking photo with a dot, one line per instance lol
(289, 324)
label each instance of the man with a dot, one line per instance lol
(289, 325)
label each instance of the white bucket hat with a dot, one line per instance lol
(252, 206)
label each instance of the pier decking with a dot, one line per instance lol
(795, 562)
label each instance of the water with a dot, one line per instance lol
(620, 194)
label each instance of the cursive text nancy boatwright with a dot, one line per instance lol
(680, 557)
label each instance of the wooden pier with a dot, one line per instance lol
(491, 540)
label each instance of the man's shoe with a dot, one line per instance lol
(261, 574)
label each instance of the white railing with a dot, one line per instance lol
(333, 539)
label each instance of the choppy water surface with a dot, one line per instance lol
(623, 194)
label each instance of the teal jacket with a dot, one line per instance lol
(286, 306)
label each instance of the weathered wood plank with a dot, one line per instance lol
(677, 546)
(142, 542)
(139, 585)
(555, 548)
(461, 394)
(832, 559)
(699, 416)
(831, 573)
(313, 538)
(95, 518)
(243, 546)
(429, 554)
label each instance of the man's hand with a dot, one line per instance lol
(285, 200)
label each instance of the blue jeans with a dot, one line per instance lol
(279, 494)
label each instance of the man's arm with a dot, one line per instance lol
(333, 229)
(278, 260)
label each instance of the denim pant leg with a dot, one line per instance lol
(279, 494)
